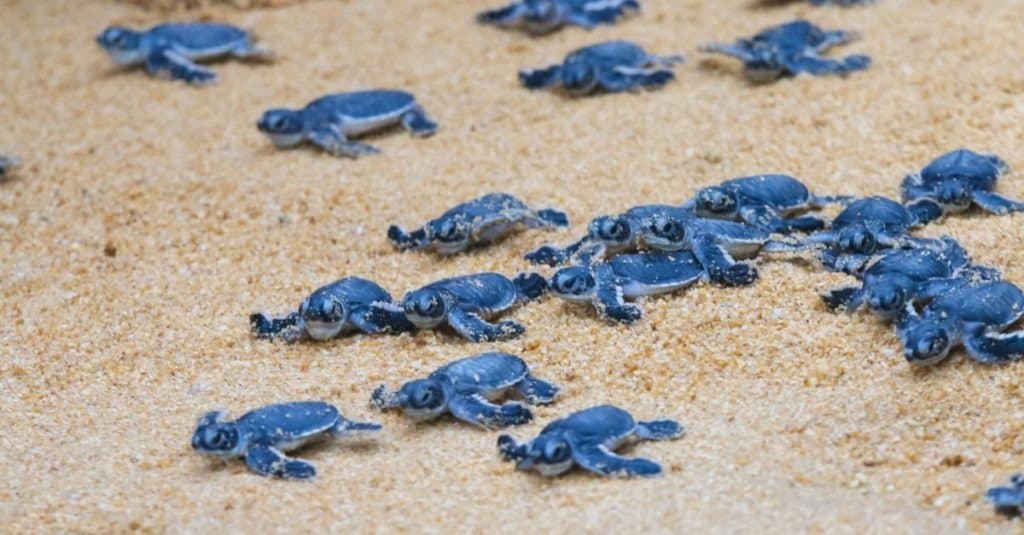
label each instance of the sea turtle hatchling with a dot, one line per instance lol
(263, 435)
(790, 49)
(771, 202)
(168, 50)
(482, 220)
(8, 164)
(1008, 500)
(346, 305)
(588, 438)
(330, 120)
(958, 179)
(901, 276)
(612, 66)
(467, 388)
(540, 17)
(607, 284)
(466, 302)
(865, 227)
(975, 315)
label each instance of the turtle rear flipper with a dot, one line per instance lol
(847, 298)
(417, 123)
(347, 428)
(530, 286)
(659, 430)
(536, 391)
(554, 218)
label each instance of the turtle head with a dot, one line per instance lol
(888, 298)
(926, 343)
(715, 200)
(424, 399)
(122, 44)
(665, 232)
(763, 65)
(573, 283)
(858, 239)
(214, 436)
(614, 232)
(449, 235)
(283, 126)
(550, 454)
(323, 316)
(425, 308)
(578, 77)
(953, 193)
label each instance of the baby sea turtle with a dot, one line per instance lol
(330, 120)
(863, 228)
(540, 17)
(612, 66)
(901, 276)
(467, 387)
(790, 49)
(765, 201)
(8, 164)
(168, 50)
(263, 435)
(1008, 500)
(972, 314)
(958, 179)
(716, 243)
(589, 438)
(606, 235)
(346, 305)
(629, 276)
(466, 302)
(483, 220)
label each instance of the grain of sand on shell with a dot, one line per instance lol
(151, 218)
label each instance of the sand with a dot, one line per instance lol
(151, 218)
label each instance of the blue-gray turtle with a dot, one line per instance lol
(169, 50)
(1008, 500)
(465, 303)
(480, 221)
(899, 277)
(606, 235)
(607, 284)
(716, 243)
(346, 305)
(589, 438)
(467, 388)
(612, 66)
(540, 17)
(331, 120)
(8, 164)
(958, 179)
(975, 315)
(844, 3)
(790, 49)
(865, 227)
(263, 435)
(770, 202)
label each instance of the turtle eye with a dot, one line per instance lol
(892, 300)
(425, 396)
(556, 452)
(667, 228)
(615, 230)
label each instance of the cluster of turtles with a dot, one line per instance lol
(929, 288)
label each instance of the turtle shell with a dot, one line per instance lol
(354, 291)
(362, 105)
(993, 304)
(979, 171)
(875, 211)
(483, 373)
(781, 192)
(479, 292)
(610, 54)
(203, 38)
(656, 268)
(596, 425)
(918, 264)
(289, 421)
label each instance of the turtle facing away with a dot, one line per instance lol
(263, 435)
(331, 120)
(1008, 500)
(899, 277)
(956, 180)
(540, 17)
(169, 50)
(612, 66)
(975, 315)
(607, 284)
(467, 388)
(466, 302)
(480, 221)
(589, 438)
(790, 49)
(8, 164)
(769, 202)
(346, 305)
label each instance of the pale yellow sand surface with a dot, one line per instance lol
(150, 219)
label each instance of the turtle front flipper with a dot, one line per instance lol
(818, 66)
(659, 430)
(384, 399)
(510, 450)
(506, 16)
(536, 391)
(268, 461)
(541, 78)
(382, 318)
(166, 63)
(738, 52)
(847, 298)
(622, 79)
(472, 327)
(601, 460)
(721, 268)
(608, 299)
(924, 210)
(248, 50)
(476, 410)
(334, 142)
(995, 203)
(264, 326)
(404, 241)
(995, 348)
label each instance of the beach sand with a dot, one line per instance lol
(150, 218)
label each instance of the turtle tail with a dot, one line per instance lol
(530, 286)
